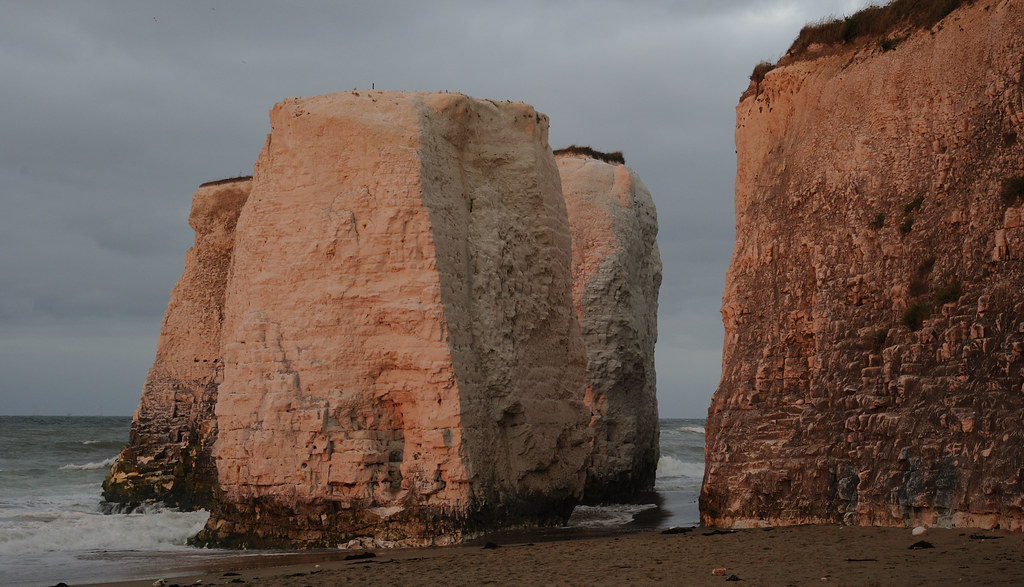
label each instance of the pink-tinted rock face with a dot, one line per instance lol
(401, 357)
(873, 312)
(168, 456)
(616, 276)
(376, 338)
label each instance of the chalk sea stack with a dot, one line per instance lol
(616, 277)
(168, 458)
(874, 317)
(390, 351)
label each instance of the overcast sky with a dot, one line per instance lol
(112, 113)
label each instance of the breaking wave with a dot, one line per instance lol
(606, 516)
(677, 475)
(71, 531)
(90, 466)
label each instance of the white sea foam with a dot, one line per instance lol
(673, 467)
(90, 466)
(676, 475)
(77, 531)
(52, 515)
(606, 516)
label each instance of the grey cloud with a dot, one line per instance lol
(115, 111)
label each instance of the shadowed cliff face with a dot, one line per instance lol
(874, 317)
(503, 258)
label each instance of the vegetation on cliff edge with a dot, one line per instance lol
(875, 21)
(614, 157)
(227, 180)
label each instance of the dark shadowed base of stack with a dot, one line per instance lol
(264, 524)
(179, 475)
(625, 487)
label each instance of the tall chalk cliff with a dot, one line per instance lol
(873, 308)
(616, 270)
(168, 455)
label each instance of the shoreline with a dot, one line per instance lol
(797, 555)
(124, 565)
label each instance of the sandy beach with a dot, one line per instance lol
(803, 555)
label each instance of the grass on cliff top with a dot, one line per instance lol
(761, 70)
(875, 21)
(226, 180)
(614, 157)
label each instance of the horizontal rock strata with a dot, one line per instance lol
(616, 277)
(874, 319)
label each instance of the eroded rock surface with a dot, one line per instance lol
(874, 319)
(167, 458)
(376, 338)
(401, 357)
(616, 277)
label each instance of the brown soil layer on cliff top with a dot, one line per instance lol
(226, 180)
(802, 555)
(615, 157)
(883, 26)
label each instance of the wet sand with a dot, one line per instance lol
(803, 555)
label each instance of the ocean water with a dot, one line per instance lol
(52, 528)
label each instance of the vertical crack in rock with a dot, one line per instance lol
(874, 322)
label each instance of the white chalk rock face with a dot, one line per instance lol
(616, 278)
(168, 459)
(401, 357)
